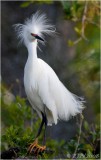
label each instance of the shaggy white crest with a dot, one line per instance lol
(37, 24)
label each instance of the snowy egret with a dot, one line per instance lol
(46, 93)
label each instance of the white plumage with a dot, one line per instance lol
(44, 90)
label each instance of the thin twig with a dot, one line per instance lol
(90, 21)
(78, 142)
(97, 5)
(83, 21)
(83, 25)
(78, 40)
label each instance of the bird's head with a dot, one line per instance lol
(34, 28)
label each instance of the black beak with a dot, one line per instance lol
(37, 37)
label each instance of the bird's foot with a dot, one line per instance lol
(36, 148)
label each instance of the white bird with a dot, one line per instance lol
(46, 93)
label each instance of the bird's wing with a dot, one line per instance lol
(58, 99)
(44, 88)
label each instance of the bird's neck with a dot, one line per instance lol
(32, 50)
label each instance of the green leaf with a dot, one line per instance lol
(90, 155)
(88, 147)
(86, 126)
(25, 4)
(77, 30)
(70, 43)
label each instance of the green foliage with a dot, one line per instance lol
(86, 64)
(15, 113)
(70, 43)
(82, 13)
(17, 137)
(27, 3)
(91, 136)
(72, 9)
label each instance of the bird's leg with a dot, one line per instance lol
(41, 126)
(34, 146)
(45, 122)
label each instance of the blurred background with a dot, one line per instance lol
(74, 55)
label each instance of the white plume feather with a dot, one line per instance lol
(37, 24)
(59, 100)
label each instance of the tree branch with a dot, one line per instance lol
(78, 142)
(83, 21)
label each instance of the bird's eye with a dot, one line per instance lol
(34, 35)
